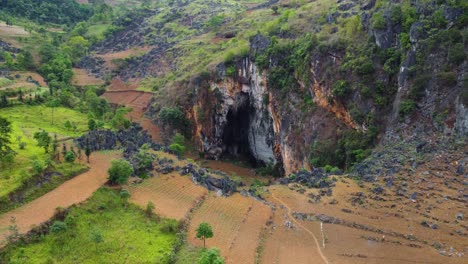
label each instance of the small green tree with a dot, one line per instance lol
(124, 195)
(43, 140)
(211, 256)
(120, 171)
(149, 208)
(70, 156)
(5, 133)
(275, 10)
(58, 227)
(204, 231)
(92, 124)
(87, 153)
(96, 237)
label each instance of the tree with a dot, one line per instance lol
(204, 231)
(211, 256)
(70, 156)
(91, 124)
(79, 155)
(120, 171)
(64, 150)
(25, 61)
(119, 121)
(87, 150)
(43, 140)
(275, 10)
(124, 195)
(5, 133)
(55, 154)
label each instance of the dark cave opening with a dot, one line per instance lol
(236, 133)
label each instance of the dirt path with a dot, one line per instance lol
(319, 250)
(71, 192)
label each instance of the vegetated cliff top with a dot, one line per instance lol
(380, 65)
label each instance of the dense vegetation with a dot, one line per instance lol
(47, 11)
(105, 229)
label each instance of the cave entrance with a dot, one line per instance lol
(236, 132)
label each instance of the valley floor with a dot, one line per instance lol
(352, 225)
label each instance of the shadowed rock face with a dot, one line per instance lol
(243, 123)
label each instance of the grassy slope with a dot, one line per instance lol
(128, 236)
(26, 120)
(196, 51)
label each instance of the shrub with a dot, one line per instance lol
(169, 226)
(149, 208)
(456, 54)
(58, 226)
(70, 156)
(120, 171)
(173, 117)
(22, 145)
(177, 149)
(378, 21)
(340, 88)
(211, 256)
(407, 107)
(447, 78)
(419, 86)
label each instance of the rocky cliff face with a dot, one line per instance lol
(412, 92)
(241, 121)
(240, 115)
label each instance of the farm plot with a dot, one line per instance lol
(136, 100)
(237, 223)
(82, 78)
(283, 244)
(173, 195)
(111, 58)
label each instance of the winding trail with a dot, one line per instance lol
(303, 227)
(73, 191)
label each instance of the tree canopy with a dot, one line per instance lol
(120, 171)
(204, 231)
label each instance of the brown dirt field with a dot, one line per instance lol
(108, 57)
(12, 31)
(22, 83)
(10, 34)
(119, 85)
(71, 192)
(173, 195)
(82, 78)
(137, 100)
(345, 244)
(237, 222)
(36, 76)
(288, 245)
(152, 129)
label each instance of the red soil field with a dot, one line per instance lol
(237, 223)
(173, 195)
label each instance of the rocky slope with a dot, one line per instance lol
(322, 83)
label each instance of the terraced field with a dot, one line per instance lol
(173, 195)
(237, 222)
(82, 78)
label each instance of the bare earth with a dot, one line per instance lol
(71, 192)
(172, 195)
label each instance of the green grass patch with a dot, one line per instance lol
(5, 82)
(34, 187)
(26, 120)
(105, 229)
